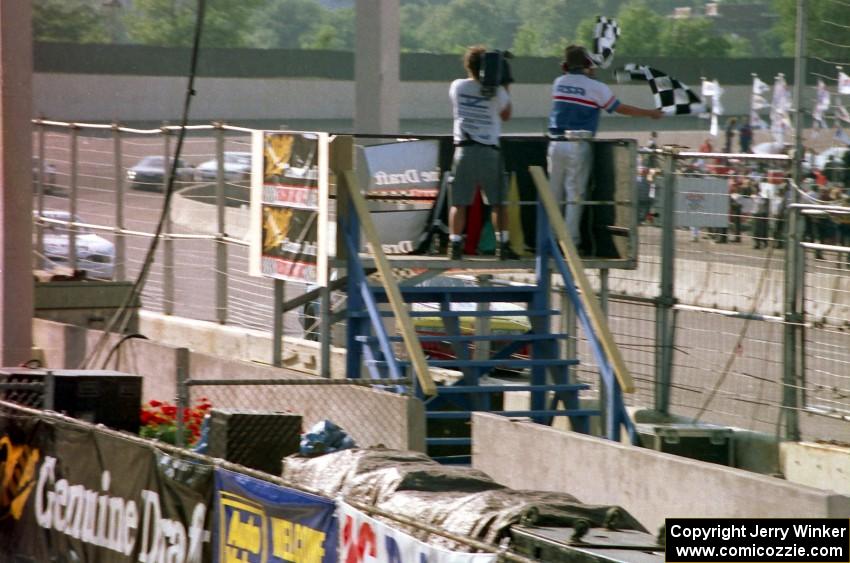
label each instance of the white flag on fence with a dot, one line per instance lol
(759, 87)
(843, 83)
(780, 122)
(821, 105)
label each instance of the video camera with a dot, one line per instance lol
(494, 72)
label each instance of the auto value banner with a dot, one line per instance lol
(259, 522)
(364, 539)
(75, 494)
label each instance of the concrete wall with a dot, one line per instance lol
(820, 465)
(136, 83)
(371, 416)
(98, 98)
(652, 486)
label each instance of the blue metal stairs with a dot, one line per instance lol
(537, 352)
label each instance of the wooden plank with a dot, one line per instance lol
(408, 332)
(597, 319)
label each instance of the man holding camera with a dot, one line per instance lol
(577, 98)
(480, 103)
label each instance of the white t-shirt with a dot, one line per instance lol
(476, 117)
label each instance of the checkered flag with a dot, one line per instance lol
(605, 36)
(671, 96)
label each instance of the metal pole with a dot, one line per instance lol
(277, 323)
(482, 324)
(221, 246)
(72, 231)
(167, 243)
(325, 330)
(792, 332)
(603, 290)
(120, 239)
(664, 326)
(792, 375)
(39, 241)
(182, 367)
(49, 398)
(610, 425)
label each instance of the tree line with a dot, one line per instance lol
(526, 27)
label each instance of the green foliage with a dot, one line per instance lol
(71, 21)
(172, 22)
(451, 27)
(739, 47)
(640, 30)
(335, 31)
(692, 37)
(827, 22)
(283, 23)
(528, 27)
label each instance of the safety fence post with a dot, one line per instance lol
(665, 329)
(120, 239)
(221, 245)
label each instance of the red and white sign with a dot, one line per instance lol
(362, 539)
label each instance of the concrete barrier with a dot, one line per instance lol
(650, 485)
(815, 464)
(371, 416)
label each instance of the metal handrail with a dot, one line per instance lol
(408, 332)
(595, 316)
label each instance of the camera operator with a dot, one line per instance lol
(577, 98)
(478, 107)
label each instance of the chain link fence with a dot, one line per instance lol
(369, 416)
(715, 338)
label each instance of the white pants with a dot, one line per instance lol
(569, 171)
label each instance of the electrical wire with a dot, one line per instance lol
(741, 335)
(121, 318)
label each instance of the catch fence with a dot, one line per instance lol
(737, 312)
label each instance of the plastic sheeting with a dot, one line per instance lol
(460, 500)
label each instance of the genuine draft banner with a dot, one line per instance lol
(74, 494)
(259, 522)
(364, 539)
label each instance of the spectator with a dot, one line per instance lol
(745, 136)
(778, 212)
(833, 171)
(645, 195)
(652, 159)
(761, 218)
(736, 210)
(731, 125)
(846, 161)
(810, 197)
(825, 229)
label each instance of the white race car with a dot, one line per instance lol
(95, 254)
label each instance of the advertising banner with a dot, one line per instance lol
(74, 494)
(364, 539)
(702, 202)
(260, 522)
(289, 227)
(401, 181)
